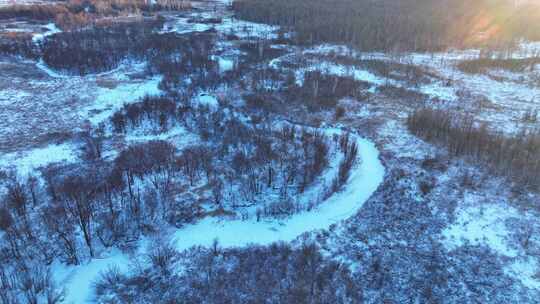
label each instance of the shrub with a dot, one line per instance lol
(480, 65)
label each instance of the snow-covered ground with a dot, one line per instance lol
(329, 68)
(38, 102)
(505, 100)
(31, 110)
(500, 98)
(27, 162)
(77, 281)
(364, 180)
(477, 222)
(486, 214)
(480, 221)
(111, 99)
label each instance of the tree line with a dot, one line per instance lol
(516, 156)
(482, 64)
(103, 47)
(387, 25)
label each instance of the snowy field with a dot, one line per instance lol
(483, 220)
(500, 98)
(364, 180)
(44, 103)
(36, 102)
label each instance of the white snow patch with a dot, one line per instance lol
(225, 64)
(110, 100)
(51, 30)
(439, 91)
(78, 280)
(228, 25)
(483, 224)
(525, 270)
(401, 141)
(329, 68)
(246, 29)
(181, 136)
(24, 163)
(124, 65)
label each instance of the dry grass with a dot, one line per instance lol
(107, 83)
(220, 212)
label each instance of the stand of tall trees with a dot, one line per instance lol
(411, 25)
(16, 44)
(516, 156)
(240, 161)
(480, 65)
(102, 48)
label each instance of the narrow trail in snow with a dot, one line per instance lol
(364, 180)
(366, 177)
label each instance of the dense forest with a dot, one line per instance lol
(411, 25)
(103, 48)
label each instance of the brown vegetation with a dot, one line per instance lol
(480, 65)
(75, 14)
